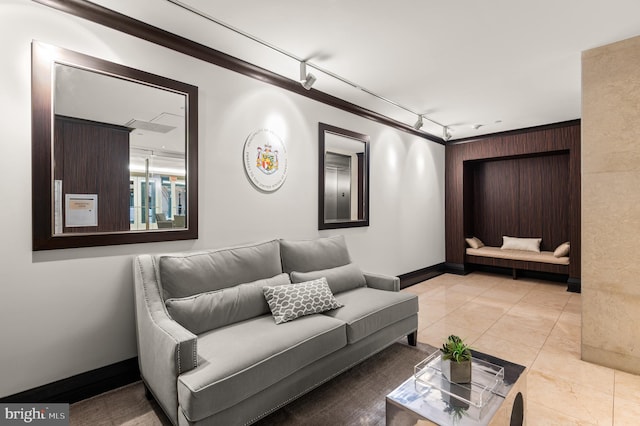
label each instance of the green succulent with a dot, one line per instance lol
(455, 349)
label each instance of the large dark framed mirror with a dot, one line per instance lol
(343, 193)
(114, 153)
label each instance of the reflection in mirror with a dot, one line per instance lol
(119, 164)
(344, 178)
(142, 129)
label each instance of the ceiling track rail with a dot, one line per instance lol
(128, 25)
(298, 59)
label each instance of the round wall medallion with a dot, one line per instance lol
(265, 160)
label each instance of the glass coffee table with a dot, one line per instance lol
(495, 396)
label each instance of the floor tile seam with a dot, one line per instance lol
(532, 329)
(568, 380)
(510, 340)
(491, 298)
(546, 340)
(486, 295)
(576, 395)
(564, 413)
(634, 401)
(553, 293)
(526, 323)
(542, 306)
(555, 410)
(601, 368)
(531, 322)
(492, 323)
(530, 305)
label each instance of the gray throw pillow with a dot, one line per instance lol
(214, 309)
(288, 302)
(313, 255)
(340, 279)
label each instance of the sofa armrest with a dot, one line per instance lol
(382, 282)
(165, 348)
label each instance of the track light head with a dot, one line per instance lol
(446, 135)
(419, 123)
(306, 80)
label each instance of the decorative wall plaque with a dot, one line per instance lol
(265, 160)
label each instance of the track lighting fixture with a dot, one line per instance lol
(446, 135)
(306, 80)
(419, 123)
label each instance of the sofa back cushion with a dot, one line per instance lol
(186, 274)
(341, 278)
(314, 255)
(206, 311)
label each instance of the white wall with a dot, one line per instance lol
(69, 311)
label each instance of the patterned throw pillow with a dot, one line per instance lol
(290, 301)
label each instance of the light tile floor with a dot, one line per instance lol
(536, 324)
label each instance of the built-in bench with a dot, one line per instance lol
(544, 261)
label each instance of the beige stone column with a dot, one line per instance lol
(611, 205)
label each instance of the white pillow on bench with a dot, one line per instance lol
(526, 244)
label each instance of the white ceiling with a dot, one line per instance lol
(503, 64)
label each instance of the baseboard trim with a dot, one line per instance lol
(574, 285)
(415, 277)
(81, 386)
(455, 268)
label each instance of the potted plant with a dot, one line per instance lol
(456, 360)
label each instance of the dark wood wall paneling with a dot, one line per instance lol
(521, 197)
(93, 158)
(492, 181)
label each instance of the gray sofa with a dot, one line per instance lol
(209, 349)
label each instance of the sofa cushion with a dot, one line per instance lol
(368, 310)
(341, 278)
(206, 311)
(244, 358)
(186, 274)
(288, 302)
(313, 255)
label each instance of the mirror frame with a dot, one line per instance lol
(322, 130)
(42, 80)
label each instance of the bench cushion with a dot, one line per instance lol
(527, 256)
(239, 360)
(368, 310)
(186, 274)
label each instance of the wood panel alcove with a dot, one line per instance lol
(524, 183)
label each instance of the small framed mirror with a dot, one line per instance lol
(114, 153)
(343, 193)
